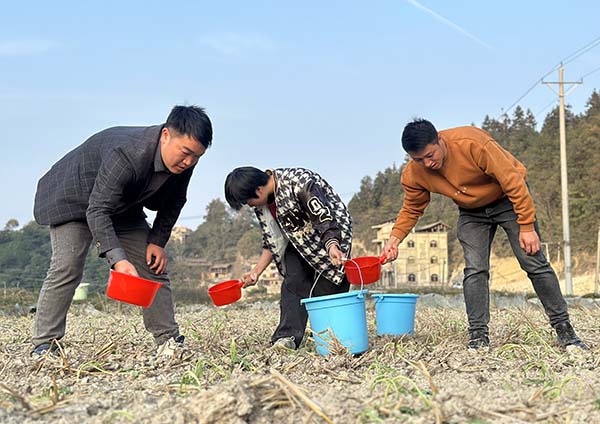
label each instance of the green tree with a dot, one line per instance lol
(250, 244)
(11, 225)
(217, 237)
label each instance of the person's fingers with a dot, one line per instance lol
(162, 266)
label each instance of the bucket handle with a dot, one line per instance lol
(382, 259)
(360, 295)
(362, 283)
(315, 283)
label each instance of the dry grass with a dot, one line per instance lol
(227, 374)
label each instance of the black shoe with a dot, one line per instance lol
(41, 350)
(179, 340)
(478, 339)
(567, 336)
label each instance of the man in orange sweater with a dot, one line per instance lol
(489, 186)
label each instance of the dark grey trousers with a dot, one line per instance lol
(476, 230)
(70, 245)
(297, 283)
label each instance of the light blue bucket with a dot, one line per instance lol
(342, 314)
(395, 313)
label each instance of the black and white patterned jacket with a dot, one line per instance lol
(311, 216)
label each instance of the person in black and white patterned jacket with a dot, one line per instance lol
(306, 230)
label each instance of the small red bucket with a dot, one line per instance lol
(367, 266)
(129, 289)
(226, 292)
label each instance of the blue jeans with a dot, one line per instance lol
(476, 230)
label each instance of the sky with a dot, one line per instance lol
(323, 85)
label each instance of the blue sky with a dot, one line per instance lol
(324, 85)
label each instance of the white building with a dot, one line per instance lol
(422, 256)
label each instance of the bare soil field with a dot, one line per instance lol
(227, 373)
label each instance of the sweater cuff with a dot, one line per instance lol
(330, 243)
(157, 240)
(399, 233)
(527, 228)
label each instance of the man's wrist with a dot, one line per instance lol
(394, 241)
(527, 228)
(115, 255)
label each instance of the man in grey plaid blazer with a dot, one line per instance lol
(98, 192)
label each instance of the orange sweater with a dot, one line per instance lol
(475, 173)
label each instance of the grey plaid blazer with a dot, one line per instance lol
(103, 178)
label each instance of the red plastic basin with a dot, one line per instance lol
(226, 292)
(129, 289)
(369, 267)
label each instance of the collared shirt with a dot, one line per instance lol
(159, 177)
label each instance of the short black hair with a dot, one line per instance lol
(418, 134)
(241, 185)
(191, 121)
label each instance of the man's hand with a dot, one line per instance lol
(125, 267)
(250, 279)
(530, 242)
(336, 256)
(390, 250)
(156, 258)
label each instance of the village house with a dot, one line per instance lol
(180, 233)
(220, 272)
(422, 256)
(271, 279)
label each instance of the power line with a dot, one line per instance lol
(589, 73)
(554, 101)
(522, 97)
(568, 59)
(581, 51)
(544, 108)
(191, 217)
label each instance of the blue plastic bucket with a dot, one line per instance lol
(342, 314)
(395, 313)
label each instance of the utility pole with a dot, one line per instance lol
(563, 175)
(545, 244)
(597, 280)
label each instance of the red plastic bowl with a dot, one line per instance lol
(129, 289)
(226, 292)
(367, 266)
